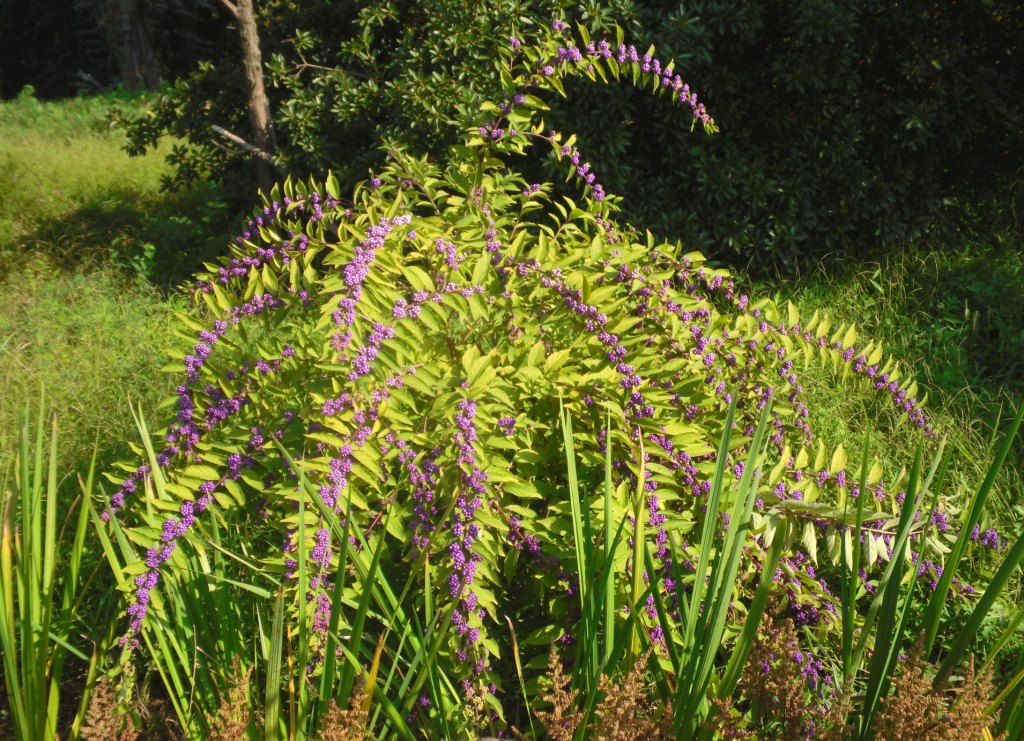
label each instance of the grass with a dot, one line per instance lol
(93, 342)
(40, 563)
(954, 316)
(88, 246)
(67, 137)
(72, 193)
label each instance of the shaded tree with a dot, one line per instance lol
(128, 39)
(258, 104)
(61, 47)
(845, 126)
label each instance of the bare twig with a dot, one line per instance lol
(226, 149)
(245, 147)
(305, 64)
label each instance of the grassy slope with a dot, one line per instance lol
(57, 158)
(955, 317)
(75, 213)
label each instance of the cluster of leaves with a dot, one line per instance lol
(342, 78)
(845, 126)
(914, 107)
(400, 413)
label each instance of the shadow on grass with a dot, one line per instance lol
(973, 306)
(161, 239)
(86, 300)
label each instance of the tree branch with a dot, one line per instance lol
(245, 147)
(230, 7)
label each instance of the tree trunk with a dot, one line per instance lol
(259, 105)
(129, 42)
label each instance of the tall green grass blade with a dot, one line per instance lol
(519, 674)
(299, 705)
(587, 655)
(385, 688)
(50, 548)
(678, 667)
(359, 619)
(592, 616)
(99, 650)
(1006, 571)
(1012, 724)
(887, 638)
(605, 592)
(30, 586)
(708, 531)
(922, 555)
(71, 601)
(167, 664)
(272, 692)
(617, 643)
(155, 474)
(724, 569)
(639, 549)
(888, 592)
(11, 626)
(373, 673)
(33, 555)
(745, 642)
(664, 621)
(436, 691)
(579, 541)
(937, 604)
(608, 577)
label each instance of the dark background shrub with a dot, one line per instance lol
(846, 127)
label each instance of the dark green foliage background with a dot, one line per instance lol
(846, 126)
(63, 47)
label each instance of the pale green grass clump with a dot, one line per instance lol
(58, 157)
(78, 223)
(94, 344)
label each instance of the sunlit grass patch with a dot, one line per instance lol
(92, 341)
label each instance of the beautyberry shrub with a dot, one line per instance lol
(387, 375)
